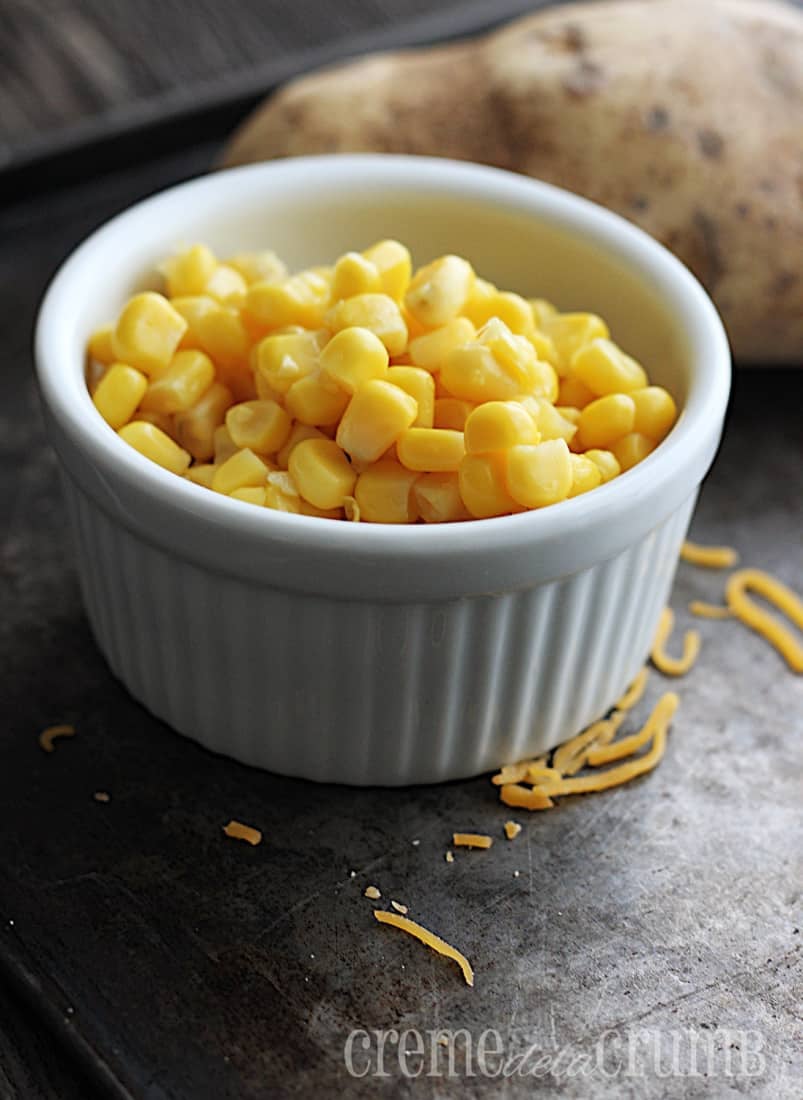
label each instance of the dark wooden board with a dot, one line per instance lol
(178, 964)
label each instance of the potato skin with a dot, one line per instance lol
(685, 117)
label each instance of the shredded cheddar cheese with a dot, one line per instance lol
(512, 829)
(571, 756)
(705, 610)
(634, 692)
(515, 773)
(710, 557)
(397, 905)
(525, 798)
(673, 666)
(622, 773)
(52, 733)
(776, 593)
(471, 840)
(429, 939)
(238, 831)
(372, 892)
(626, 746)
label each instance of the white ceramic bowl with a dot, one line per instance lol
(359, 653)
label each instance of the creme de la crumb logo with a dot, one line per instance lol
(618, 1054)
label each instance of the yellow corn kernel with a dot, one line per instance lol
(201, 474)
(586, 475)
(384, 493)
(250, 494)
(241, 470)
(154, 444)
(435, 450)
(606, 462)
(300, 300)
(354, 356)
(604, 368)
(496, 367)
(451, 412)
(553, 425)
(606, 420)
(189, 271)
(655, 412)
(162, 421)
(506, 306)
(94, 373)
(182, 385)
(437, 498)
(375, 418)
(316, 400)
(118, 394)
(483, 485)
(225, 446)
(195, 428)
(260, 425)
(632, 448)
(264, 390)
(225, 283)
(474, 307)
(322, 473)
(542, 310)
(354, 274)
(283, 358)
(544, 348)
(392, 261)
(420, 385)
(192, 307)
(498, 426)
(148, 332)
(377, 312)
(259, 267)
(540, 475)
(282, 502)
(298, 433)
(439, 290)
(574, 392)
(100, 348)
(569, 331)
(430, 350)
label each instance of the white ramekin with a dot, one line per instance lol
(359, 653)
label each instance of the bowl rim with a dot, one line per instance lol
(683, 457)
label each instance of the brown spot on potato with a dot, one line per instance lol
(587, 78)
(658, 119)
(743, 209)
(711, 143)
(707, 262)
(784, 281)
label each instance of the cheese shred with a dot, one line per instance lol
(571, 756)
(710, 557)
(471, 840)
(776, 593)
(428, 938)
(237, 831)
(626, 746)
(634, 692)
(52, 733)
(673, 666)
(705, 610)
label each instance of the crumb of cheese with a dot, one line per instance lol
(471, 840)
(372, 892)
(512, 829)
(49, 735)
(102, 796)
(397, 905)
(238, 831)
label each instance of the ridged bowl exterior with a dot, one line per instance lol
(369, 692)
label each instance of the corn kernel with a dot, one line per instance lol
(225, 283)
(259, 267)
(300, 300)
(483, 485)
(100, 348)
(384, 493)
(542, 310)
(569, 331)
(437, 498)
(155, 445)
(188, 272)
(148, 332)
(195, 428)
(439, 290)
(201, 474)
(475, 306)
(420, 385)
(451, 412)
(655, 412)
(182, 385)
(119, 393)
(505, 306)
(540, 475)
(606, 463)
(430, 350)
(498, 426)
(298, 433)
(630, 449)
(283, 358)
(496, 367)
(241, 470)
(375, 418)
(552, 425)
(162, 421)
(282, 502)
(316, 400)
(260, 425)
(322, 472)
(586, 475)
(377, 312)
(392, 261)
(434, 450)
(606, 420)
(354, 274)
(216, 329)
(192, 308)
(250, 494)
(604, 368)
(574, 392)
(225, 446)
(354, 356)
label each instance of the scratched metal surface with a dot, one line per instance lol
(176, 964)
